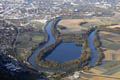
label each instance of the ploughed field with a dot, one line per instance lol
(110, 40)
(109, 37)
(73, 25)
(111, 44)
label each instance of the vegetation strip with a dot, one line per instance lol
(76, 64)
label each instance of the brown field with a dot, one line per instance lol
(73, 25)
(93, 70)
(115, 26)
(109, 33)
(103, 78)
(103, 32)
(117, 74)
(116, 39)
(111, 41)
(112, 36)
(71, 22)
(109, 55)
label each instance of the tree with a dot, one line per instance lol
(86, 68)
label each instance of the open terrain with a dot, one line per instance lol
(29, 38)
(110, 44)
(104, 78)
(72, 25)
(114, 26)
(110, 40)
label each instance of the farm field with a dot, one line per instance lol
(111, 45)
(73, 25)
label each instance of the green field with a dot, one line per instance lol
(18, 51)
(38, 38)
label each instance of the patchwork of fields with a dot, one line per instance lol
(110, 43)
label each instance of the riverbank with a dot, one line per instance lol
(73, 64)
(38, 58)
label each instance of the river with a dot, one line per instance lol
(64, 51)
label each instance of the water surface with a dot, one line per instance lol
(94, 55)
(65, 52)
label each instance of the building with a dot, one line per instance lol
(27, 1)
(18, 1)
